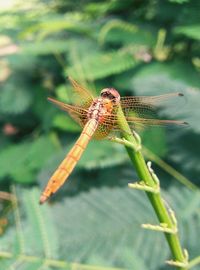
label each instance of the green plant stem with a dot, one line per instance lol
(169, 169)
(194, 262)
(155, 199)
(61, 264)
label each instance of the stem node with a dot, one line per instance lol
(177, 263)
(163, 227)
(142, 186)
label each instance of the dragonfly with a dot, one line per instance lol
(98, 118)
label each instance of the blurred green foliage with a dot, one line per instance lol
(138, 47)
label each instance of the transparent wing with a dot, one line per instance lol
(77, 113)
(104, 129)
(81, 96)
(147, 106)
(150, 100)
(135, 122)
(141, 112)
(110, 125)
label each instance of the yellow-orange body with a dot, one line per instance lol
(96, 114)
(68, 164)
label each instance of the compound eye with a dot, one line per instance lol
(110, 96)
(104, 94)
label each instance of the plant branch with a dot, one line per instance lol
(61, 264)
(162, 164)
(165, 216)
(194, 262)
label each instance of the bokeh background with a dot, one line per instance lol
(94, 222)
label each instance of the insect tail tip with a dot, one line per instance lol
(43, 199)
(49, 98)
(180, 94)
(69, 78)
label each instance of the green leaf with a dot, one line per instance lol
(33, 240)
(51, 24)
(22, 161)
(45, 47)
(155, 140)
(121, 32)
(98, 155)
(182, 146)
(185, 203)
(179, 1)
(191, 31)
(42, 234)
(98, 66)
(14, 99)
(101, 8)
(65, 123)
(104, 225)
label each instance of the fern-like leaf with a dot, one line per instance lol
(14, 99)
(191, 31)
(102, 65)
(21, 162)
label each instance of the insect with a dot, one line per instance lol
(98, 118)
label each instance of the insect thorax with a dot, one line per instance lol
(95, 109)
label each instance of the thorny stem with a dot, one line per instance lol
(163, 214)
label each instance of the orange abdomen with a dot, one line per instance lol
(68, 164)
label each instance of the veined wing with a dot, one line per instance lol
(145, 106)
(131, 101)
(135, 122)
(140, 112)
(111, 123)
(81, 96)
(77, 113)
